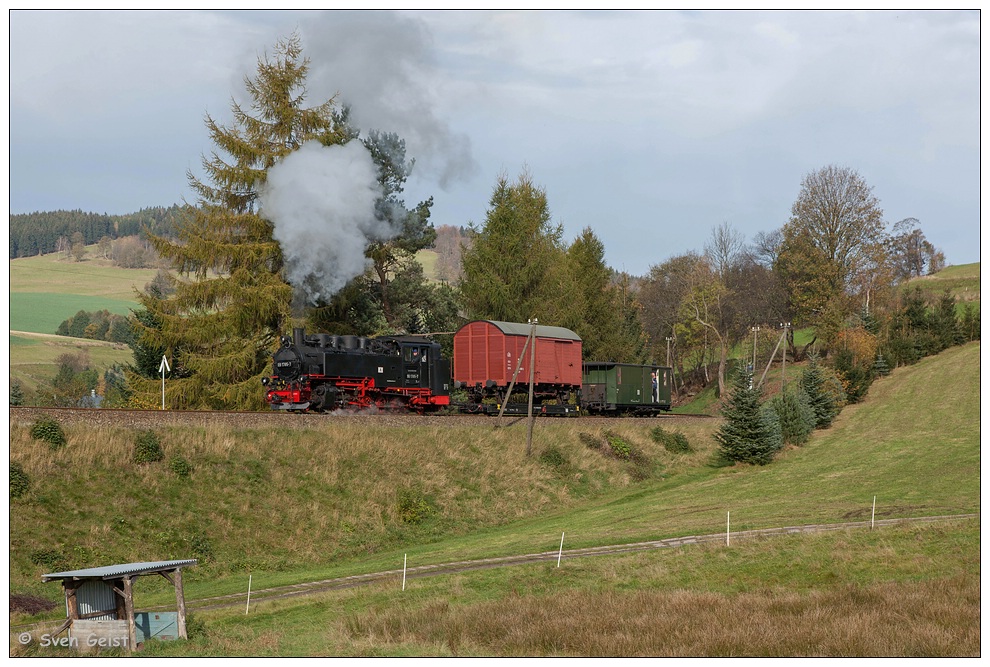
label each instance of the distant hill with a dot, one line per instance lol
(962, 281)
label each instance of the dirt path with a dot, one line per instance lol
(353, 581)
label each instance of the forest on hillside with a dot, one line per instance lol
(44, 232)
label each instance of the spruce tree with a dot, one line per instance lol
(227, 312)
(795, 414)
(815, 383)
(16, 393)
(748, 434)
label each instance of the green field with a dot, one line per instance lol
(43, 312)
(295, 505)
(45, 291)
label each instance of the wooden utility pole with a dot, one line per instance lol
(512, 384)
(783, 356)
(532, 369)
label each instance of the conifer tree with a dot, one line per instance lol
(227, 313)
(823, 401)
(16, 393)
(749, 434)
(795, 414)
(599, 316)
(514, 269)
(970, 325)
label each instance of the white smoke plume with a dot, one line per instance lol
(383, 65)
(321, 200)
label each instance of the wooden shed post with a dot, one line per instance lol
(129, 607)
(71, 601)
(121, 606)
(180, 600)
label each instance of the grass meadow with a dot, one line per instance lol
(310, 504)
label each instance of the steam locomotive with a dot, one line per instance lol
(323, 373)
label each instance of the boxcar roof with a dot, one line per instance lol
(520, 329)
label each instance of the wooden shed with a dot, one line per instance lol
(99, 604)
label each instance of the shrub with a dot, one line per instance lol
(50, 558)
(19, 481)
(675, 443)
(148, 448)
(620, 448)
(856, 377)
(591, 441)
(180, 467)
(553, 457)
(414, 507)
(47, 429)
(201, 548)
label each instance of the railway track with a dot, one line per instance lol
(244, 420)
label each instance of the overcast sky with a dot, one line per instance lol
(649, 127)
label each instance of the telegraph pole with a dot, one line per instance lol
(532, 364)
(669, 338)
(755, 330)
(783, 355)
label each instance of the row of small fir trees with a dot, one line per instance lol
(753, 432)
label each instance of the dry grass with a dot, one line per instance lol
(932, 618)
(275, 499)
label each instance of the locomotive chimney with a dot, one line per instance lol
(297, 336)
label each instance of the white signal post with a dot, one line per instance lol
(163, 368)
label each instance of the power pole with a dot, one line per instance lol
(783, 355)
(532, 364)
(755, 331)
(669, 338)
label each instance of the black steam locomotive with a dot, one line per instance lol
(322, 373)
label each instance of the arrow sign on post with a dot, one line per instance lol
(163, 368)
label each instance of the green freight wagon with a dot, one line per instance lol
(611, 388)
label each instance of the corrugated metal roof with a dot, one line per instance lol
(519, 329)
(116, 571)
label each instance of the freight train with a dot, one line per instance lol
(324, 373)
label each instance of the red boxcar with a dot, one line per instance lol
(485, 350)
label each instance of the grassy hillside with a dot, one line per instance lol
(33, 356)
(962, 281)
(341, 498)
